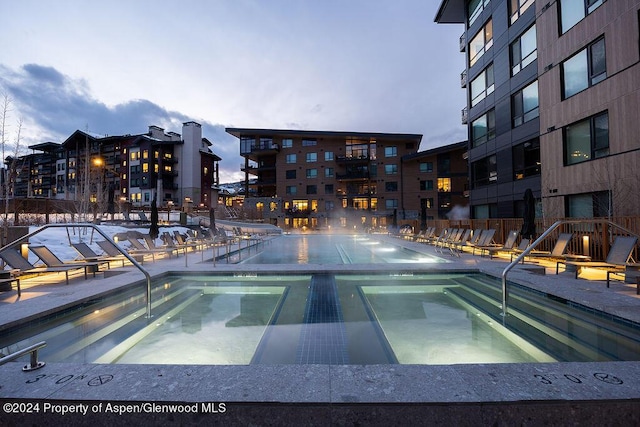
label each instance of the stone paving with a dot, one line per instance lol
(597, 383)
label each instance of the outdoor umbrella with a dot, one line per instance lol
(110, 201)
(528, 230)
(154, 231)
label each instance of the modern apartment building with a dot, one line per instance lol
(297, 178)
(175, 169)
(553, 94)
(502, 112)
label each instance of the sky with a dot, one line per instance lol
(116, 67)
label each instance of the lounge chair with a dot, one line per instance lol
(507, 247)
(52, 261)
(616, 261)
(524, 244)
(17, 262)
(558, 250)
(88, 254)
(456, 247)
(137, 248)
(486, 237)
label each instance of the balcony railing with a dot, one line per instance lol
(352, 175)
(463, 42)
(464, 116)
(463, 79)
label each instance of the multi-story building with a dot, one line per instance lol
(553, 91)
(502, 112)
(589, 82)
(344, 179)
(181, 170)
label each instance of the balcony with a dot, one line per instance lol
(463, 42)
(353, 176)
(352, 159)
(265, 148)
(463, 79)
(464, 116)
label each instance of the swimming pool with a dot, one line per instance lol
(326, 318)
(337, 249)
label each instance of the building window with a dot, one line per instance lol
(391, 186)
(292, 189)
(291, 158)
(526, 159)
(481, 43)
(328, 172)
(391, 169)
(329, 205)
(390, 151)
(590, 205)
(444, 185)
(483, 128)
(135, 155)
(587, 139)
(518, 7)
(426, 185)
(524, 51)
(287, 143)
(145, 167)
(426, 167)
(574, 11)
(312, 189)
(309, 142)
(482, 85)
(391, 203)
(290, 174)
(584, 69)
(312, 157)
(328, 156)
(475, 8)
(484, 171)
(312, 173)
(328, 189)
(145, 154)
(525, 104)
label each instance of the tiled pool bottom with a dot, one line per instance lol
(328, 319)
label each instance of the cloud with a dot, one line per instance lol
(54, 106)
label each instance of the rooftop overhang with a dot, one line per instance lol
(451, 12)
(239, 132)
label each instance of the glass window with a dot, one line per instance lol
(312, 157)
(518, 7)
(328, 172)
(589, 205)
(525, 104)
(484, 171)
(328, 156)
(309, 142)
(444, 185)
(526, 159)
(312, 173)
(426, 167)
(482, 85)
(481, 43)
(475, 8)
(587, 139)
(426, 185)
(391, 203)
(292, 189)
(584, 69)
(483, 128)
(328, 189)
(391, 169)
(312, 189)
(524, 51)
(287, 143)
(391, 186)
(291, 158)
(390, 151)
(574, 11)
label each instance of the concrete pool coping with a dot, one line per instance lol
(608, 389)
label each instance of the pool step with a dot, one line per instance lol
(323, 335)
(534, 318)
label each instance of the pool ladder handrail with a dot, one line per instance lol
(107, 238)
(540, 239)
(33, 360)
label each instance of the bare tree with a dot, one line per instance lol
(9, 172)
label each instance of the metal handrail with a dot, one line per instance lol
(107, 238)
(33, 361)
(540, 239)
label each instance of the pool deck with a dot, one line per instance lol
(603, 393)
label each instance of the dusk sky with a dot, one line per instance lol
(115, 67)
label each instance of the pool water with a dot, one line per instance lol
(327, 319)
(336, 249)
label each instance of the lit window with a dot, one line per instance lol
(481, 43)
(587, 139)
